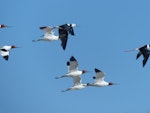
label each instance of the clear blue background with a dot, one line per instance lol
(106, 29)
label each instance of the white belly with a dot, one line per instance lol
(75, 73)
(101, 84)
(78, 87)
(50, 38)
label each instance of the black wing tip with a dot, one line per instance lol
(63, 47)
(97, 70)
(145, 60)
(43, 27)
(138, 55)
(68, 63)
(72, 34)
(72, 58)
(144, 63)
(6, 57)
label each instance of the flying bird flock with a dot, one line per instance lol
(76, 75)
(63, 33)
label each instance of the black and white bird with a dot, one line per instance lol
(73, 69)
(3, 26)
(50, 36)
(68, 28)
(144, 50)
(4, 51)
(77, 84)
(64, 31)
(99, 79)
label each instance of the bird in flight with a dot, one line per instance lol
(144, 50)
(99, 79)
(77, 84)
(73, 69)
(50, 36)
(3, 26)
(4, 51)
(63, 31)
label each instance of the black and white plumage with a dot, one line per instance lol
(99, 79)
(3, 26)
(4, 51)
(64, 31)
(144, 50)
(63, 36)
(50, 36)
(77, 84)
(72, 69)
(68, 28)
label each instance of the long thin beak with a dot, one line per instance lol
(8, 26)
(132, 50)
(18, 47)
(115, 84)
(88, 71)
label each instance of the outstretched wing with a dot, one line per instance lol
(99, 75)
(77, 80)
(72, 64)
(68, 28)
(47, 29)
(145, 52)
(63, 35)
(145, 59)
(138, 55)
(4, 53)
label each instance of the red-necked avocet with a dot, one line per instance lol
(144, 50)
(4, 51)
(77, 84)
(50, 36)
(99, 79)
(73, 69)
(3, 26)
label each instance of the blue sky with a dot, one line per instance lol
(106, 29)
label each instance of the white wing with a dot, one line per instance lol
(48, 30)
(6, 48)
(77, 80)
(72, 64)
(4, 53)
(99, 76)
